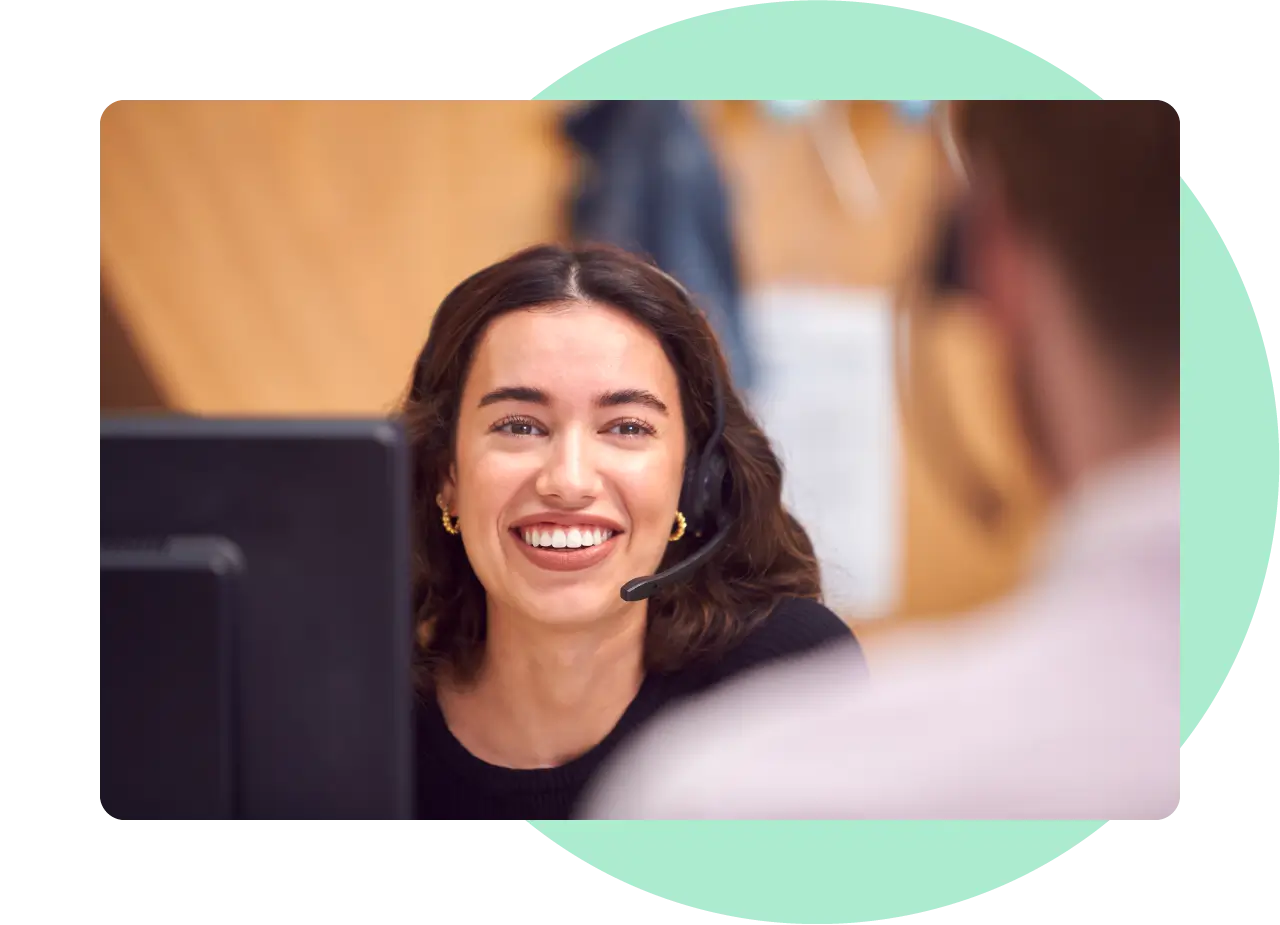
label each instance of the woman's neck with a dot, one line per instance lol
(545, 695)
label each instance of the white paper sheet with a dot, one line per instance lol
(826, 398)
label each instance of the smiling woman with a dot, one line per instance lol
(571, 431)
(582, 441)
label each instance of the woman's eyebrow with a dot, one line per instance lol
(631, 397)
(521, 393)
(532, 396)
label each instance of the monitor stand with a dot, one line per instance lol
(168, 615)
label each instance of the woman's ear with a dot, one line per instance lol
(448, 488)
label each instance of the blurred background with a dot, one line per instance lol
(285, 258)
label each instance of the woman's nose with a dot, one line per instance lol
(570, 472)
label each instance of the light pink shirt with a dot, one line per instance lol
(1061, 702)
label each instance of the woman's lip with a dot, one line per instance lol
(564, 560)
(567, 520)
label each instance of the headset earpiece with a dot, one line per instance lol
(702, 498)
(948, 266)
(716, 489)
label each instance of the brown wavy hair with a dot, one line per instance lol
(767, 556)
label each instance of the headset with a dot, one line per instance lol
(948, 277)
(706, 483)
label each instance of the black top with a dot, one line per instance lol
(454, 784)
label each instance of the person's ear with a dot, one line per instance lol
(996, 257)
(448, 489)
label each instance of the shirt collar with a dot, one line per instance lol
(1124, 506)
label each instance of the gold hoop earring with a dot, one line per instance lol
(679, 529)
(450, 523)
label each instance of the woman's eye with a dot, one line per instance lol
(519, 428)
(631, 429)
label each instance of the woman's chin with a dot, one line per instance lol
(578, 604)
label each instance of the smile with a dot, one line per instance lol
(564, 548)
(564, 537)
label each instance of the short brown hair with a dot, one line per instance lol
(767, 555)
(1097, 181)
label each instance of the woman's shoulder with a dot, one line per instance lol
(797, 624)
(794, 626)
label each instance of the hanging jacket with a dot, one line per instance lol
(650, 184)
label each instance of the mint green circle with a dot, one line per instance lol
(861, 871)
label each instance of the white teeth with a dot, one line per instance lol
(566, 538)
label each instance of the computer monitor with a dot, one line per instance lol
(256, 632)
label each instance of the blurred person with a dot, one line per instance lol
(561, 417)
(1060, 701)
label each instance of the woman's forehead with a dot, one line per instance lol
(578, 345)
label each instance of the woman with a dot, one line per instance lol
(562, 408)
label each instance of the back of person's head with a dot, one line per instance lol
(1066, 240)
(767, 555)
(1096, 182)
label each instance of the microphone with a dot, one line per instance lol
(637, 589)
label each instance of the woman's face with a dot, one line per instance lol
(569, 460)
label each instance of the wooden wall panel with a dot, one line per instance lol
(126, 383)
(286, 257)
